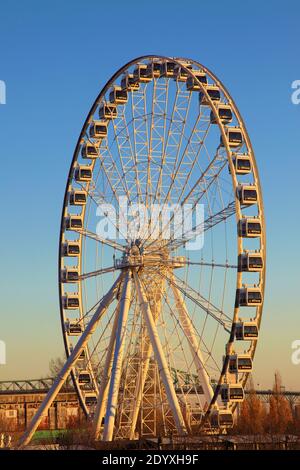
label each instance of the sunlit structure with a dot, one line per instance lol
(137, 307)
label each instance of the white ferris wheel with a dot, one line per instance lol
(160, 333)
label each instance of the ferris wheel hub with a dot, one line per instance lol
(143, 259)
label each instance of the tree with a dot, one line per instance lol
(280, 416)
(55, 366)
(252, 413)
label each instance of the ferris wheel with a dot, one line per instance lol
(160, 323)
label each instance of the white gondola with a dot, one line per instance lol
(234, 137)
(83, 173)
(250, 227)
(168, 69)
(77, 198)
(108, 111)
(249, 296)
(239, 363)
(155, 69)
(70, 248)
(84, 377)
(98, 130)
(73, 222)
(213, 92)
(70, 274)
(221, 419)
(192, 82)
(90, 150)
(129, 82)
(143, 73)
(246, 330)
(247, 194)
(242, 164)
(90, 398)
(224, 112)
(118, 96)
(232, 393)
(251, 262)
(74, 327)
(71, 301)
(180, 74)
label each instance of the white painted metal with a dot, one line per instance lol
(140, 384)
(104, 385)
(160, 358)
(112, 401)
(65, 371)
(157, 149)
(193, 344)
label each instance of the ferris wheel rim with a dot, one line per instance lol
(222, 129)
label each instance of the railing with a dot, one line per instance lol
(43, 385)
(29, 386)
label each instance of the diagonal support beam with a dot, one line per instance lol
(104, 385)
(69, 364)
(160, 357)
(116, 371)
(140, 383)
(189, 331)
(210, 309)
(143, 371)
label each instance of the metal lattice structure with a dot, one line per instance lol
(38, 386)
(163, 133)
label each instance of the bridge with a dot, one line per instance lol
(40, 386)
(20, 399)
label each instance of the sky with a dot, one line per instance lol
(54, 58)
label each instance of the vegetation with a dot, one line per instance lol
(258, 424)
(275, 417)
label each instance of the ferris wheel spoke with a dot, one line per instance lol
(216, 313)
(133, 148)
(194, 346)
(98, 272)
(119, 139)
(209, 176)
(200, 340)
(191, 325)
(126, 152)
(141, 133)
(116, 226)
(211, 264)
(190, 193)
(199, 229)
(104, 241)
(175, 133)
(149, 158)
(205, 182)
(111, 172)
(157, 135)
(189, 149)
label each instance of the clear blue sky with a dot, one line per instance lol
(55, 57)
